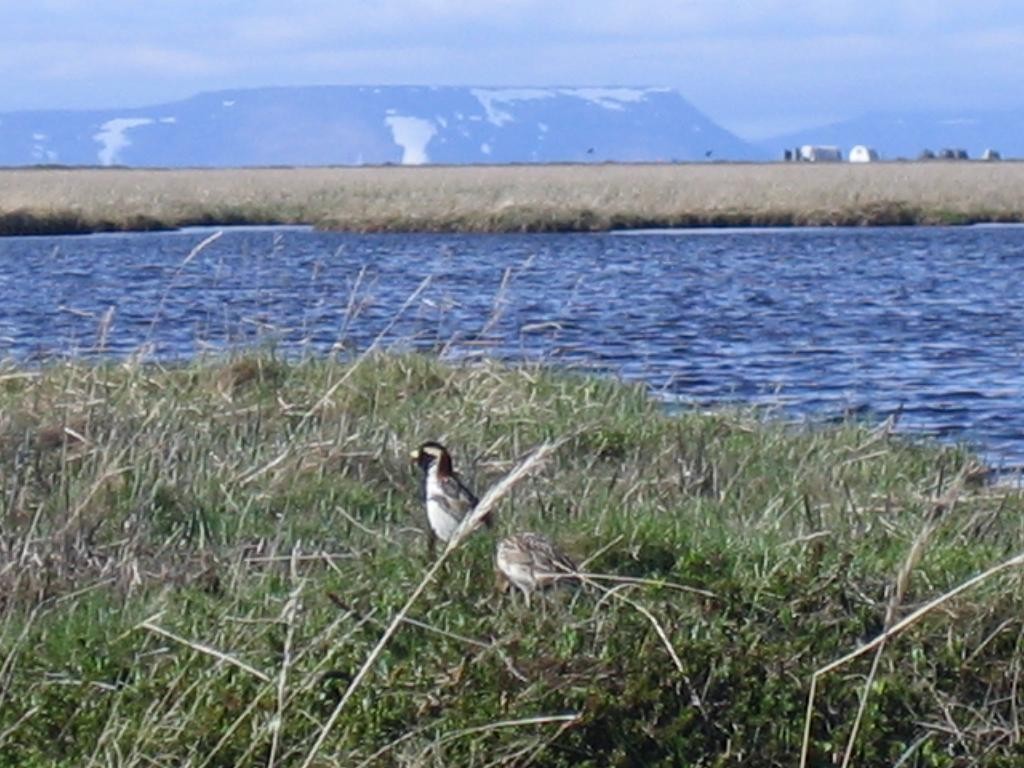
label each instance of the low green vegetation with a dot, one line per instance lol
(526, 198)
(196, 561)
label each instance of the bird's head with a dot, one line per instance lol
(431, 453)
(501, 582)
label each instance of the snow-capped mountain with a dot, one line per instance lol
(908, 134)
(353, 125)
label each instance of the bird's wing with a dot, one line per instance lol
(547, 558)
(456, 498)
(465, 493)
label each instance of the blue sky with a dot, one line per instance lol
(757, 67)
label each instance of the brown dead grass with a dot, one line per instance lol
(512, 198)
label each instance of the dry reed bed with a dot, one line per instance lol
(512, 198)
(220, 565)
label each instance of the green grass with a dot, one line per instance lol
(267, 512)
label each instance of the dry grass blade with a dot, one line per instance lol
(600, 551)
(410, 734)
(203, 648)
(181, 268)
(244, 716)
(501, 724)
(528, 465)
(329, 393)
(900, 587)
(534, 752)
(7, 733)
(252, 474)
(914, 555)
(645, 582)
(1014, 562)
(336, 599)
(288, 616)
(662, 634)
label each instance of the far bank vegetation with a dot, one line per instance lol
(542, 198)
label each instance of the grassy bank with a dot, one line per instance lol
(195, 562)
(512, 198)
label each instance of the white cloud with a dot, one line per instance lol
(69, 60)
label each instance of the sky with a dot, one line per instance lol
(758, 67)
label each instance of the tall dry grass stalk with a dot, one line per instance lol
(469, 524)
(908, 621)
(939, 511)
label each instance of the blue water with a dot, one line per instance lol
(819, 322)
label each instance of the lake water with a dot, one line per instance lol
(819, 322)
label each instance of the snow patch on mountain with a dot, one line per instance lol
(612, 98)
(112, 136)
(608, 98)
(489, 98)
(412, 134)
(41, 153)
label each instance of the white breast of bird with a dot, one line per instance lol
(442, 521)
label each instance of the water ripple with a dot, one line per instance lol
(818, 322)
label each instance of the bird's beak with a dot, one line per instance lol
(414, 455)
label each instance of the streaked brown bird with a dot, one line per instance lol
(532, 561)
(446, 497)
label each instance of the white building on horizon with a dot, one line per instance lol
(814, 153)
(863, 154)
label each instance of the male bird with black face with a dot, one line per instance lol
(532, 561)
(446, 497)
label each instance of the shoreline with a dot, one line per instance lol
(646, 232)
(512, 199)
(998, 469)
